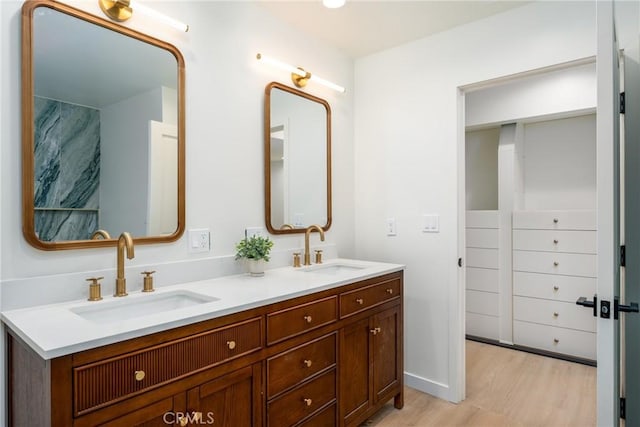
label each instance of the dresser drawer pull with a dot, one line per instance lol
(360, 301)
(556, 263)
(182, 420)
(307, 363)
(555, 241)
(390, 291)
(556, 340)
(308, 319)
(139, 375)
(555, 314)
(231, 345)
(555, 220)
(555, 288)
(308, 402)
(375, 331)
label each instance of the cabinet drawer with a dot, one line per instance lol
(482, 238)
(482, 302)
(482, 279)
(294, 366)
(361, 299)
(482, 219)
(555, 220)
(553, 286)
(481, 325)
(583, 242)
(558, 340)
(482, 258)
(554, 313)
(301, 318)
(303, 401)
(114, 379)
(584, 265)
(326, 418)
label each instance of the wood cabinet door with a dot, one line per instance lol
(233, 400)
(355, 378)
(169, 411)
(386, 351)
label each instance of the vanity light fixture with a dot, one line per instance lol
(121, 10)
(299, 75)
(333, 4)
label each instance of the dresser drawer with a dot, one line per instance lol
(117, 378)
(482, 279)
(482, 219)
(584, 265)
(303, 401)
(553, 286)
(482, 258)
(300, 319)
(326, 418)
(364, 298)
(294, 366)
(555, 220)
(481, 325)
(482, 302)
(554, 339)
(554, 313)
(482, 238)
(555, 241)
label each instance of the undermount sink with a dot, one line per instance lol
(126, 308)
(335, 268)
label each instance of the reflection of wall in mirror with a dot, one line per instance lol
(279, 188)
(67, 159)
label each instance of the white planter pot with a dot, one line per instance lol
(256, 267)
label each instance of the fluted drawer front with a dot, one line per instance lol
(482, 238)
(482, 219)
(111, 380)
(554, 313)
(302, 402)
(584, 265)
(364, 298)
(555, 220)
(558, 340)
(301, 318)
(294, 366)
(555, 241)
(553, 286)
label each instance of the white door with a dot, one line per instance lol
(162, 207)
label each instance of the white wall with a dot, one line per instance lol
(224, 146)
(407, 142)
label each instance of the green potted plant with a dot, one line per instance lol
(255, 250)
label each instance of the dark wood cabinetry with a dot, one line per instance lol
(331, 358)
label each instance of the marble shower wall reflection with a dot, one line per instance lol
(67, 170)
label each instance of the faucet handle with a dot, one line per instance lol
(296, 259)
(318, 256)
(148, 281)
(94, 288)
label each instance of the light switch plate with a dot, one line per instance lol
(199, 240)
(430, 223)
(391, 227)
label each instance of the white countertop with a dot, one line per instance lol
(54, 330)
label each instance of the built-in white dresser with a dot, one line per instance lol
(554, 263)
(482, 284)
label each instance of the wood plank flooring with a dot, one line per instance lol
(505, 388)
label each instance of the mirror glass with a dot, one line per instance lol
(297, 160)
(104, 141)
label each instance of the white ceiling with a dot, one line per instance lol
(363, 27)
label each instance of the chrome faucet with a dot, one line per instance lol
(124, 242)
(310, 229)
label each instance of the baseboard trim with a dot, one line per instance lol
(425, 385)
(532, 350)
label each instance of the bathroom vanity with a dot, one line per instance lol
(320, 346)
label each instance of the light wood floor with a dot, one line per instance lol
(505, 388)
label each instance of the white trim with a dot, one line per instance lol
(428, 386)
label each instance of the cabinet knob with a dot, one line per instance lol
(556, 340)
(555, 241)
(555, 220)
(390, 291)
(139, 375)
(308, 402)
(555, 314)
(182, 420)
(556, 263)
(555, 288)
(360, 301)
(375, 331)
(308, 319)
(307, 363)
(231, 345)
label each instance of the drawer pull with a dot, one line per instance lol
(555, 241)
(556, 340)
(555, 288)
(555, 314)
(231, 345)
(390, 291)
(308, 402)
(555, 220)
(375, 331)
(307, 363)
(556, 263)
(308, 319)
(360, 301)
(139, 375)
(182, 420)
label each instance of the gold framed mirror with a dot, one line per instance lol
(103, 131)
(297, 160)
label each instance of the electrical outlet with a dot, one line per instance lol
(199, 240)
(391, 227)
(253, 231)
